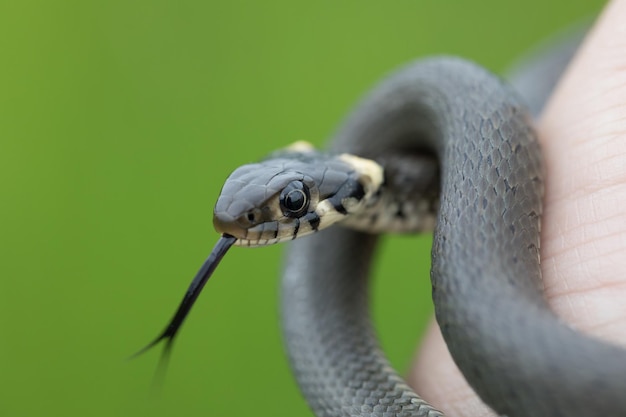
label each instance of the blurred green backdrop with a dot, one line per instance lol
(119, 120)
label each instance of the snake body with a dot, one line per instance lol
(519, 357)
(436, 124)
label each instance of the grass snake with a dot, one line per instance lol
(439, 143)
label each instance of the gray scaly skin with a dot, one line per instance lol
(517, 355)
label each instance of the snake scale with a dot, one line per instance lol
(436, 124)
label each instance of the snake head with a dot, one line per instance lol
(297, 191)
(293, 194)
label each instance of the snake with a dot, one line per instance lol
(440, 145)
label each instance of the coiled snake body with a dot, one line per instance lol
(517, 355)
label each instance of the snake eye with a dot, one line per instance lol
(294, 199)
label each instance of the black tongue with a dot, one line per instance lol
(221, 247)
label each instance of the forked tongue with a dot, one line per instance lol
(221, 247)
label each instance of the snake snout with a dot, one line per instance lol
(236, 226)
(224, 223)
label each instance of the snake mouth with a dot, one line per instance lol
(249, 234)
(264, 234)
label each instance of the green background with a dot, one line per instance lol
(119, 120)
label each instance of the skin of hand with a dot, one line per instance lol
(583, 137)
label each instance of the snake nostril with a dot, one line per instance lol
(250, 218)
